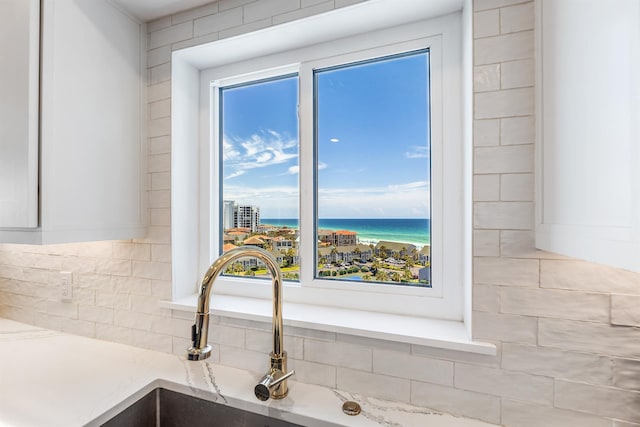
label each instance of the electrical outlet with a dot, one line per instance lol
(66, 292)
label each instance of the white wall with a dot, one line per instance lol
(567, 331)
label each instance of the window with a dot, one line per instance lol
(371, 168)
(427, 175)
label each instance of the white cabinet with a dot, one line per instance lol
(91, 152)
(19, 92)
(588, 189)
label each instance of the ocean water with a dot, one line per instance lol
(416, 231)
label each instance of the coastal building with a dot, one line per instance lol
(338, 237)
(281, 243)
(424, 255)
(254, 241)
(332, 254)
(424, 274)
(394, 249)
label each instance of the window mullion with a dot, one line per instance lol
(307, 176)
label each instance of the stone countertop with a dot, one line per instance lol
(56, 379)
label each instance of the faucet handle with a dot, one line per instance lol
(194, 333)
(269, 382)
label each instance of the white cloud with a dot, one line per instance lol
(417, 152)
(259, 150)
(395, 201)
(235, 174)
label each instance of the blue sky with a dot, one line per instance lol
(372, 142)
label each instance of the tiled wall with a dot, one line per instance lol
(567, 331)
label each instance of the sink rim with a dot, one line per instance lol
(257, 407)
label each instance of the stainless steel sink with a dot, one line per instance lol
(162, 407)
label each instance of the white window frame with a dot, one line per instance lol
(441, 36)
(191, 190)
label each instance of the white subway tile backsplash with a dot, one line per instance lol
(244, 359)
(597, 400)
(486, 23)
(192, 14)
(516, 18)
(517, 187)
(227, 335)
(519, 414)
(590, 307)
(626, 374)
(504, 327)
(456, 401)
(217, 22)
(486, 78)
(504, 159)
(267, 8)
(161, 55)
(506, 271)
(486, 243)
(245, 28)
(304, 12)
(411, 367)
(486, 298)
(486, 188)
(313, 373)
(338, 354)
(95, 314)
(158, 24)
(515, 74)
(169, 35)
(263, 341)
(159, 127)
(344, 3)
(587, 276)
(556, 363)
(503, 215)
(230, 4)
(625, 310)
(492, 4)
(509, 47)
(504, 103)
(590, 337)
(395, 346)
(160, 109)
(619, 423)
(486, 132)
(517, 130)
(498, 382)
(374, 385)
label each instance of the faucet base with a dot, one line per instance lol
(279, 367)
(194, 353)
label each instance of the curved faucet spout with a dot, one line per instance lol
(199, 331)
(274, 382)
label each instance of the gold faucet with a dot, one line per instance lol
(274, 382)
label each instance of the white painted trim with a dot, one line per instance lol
(444, 334)
(441, 36)
(287, 32)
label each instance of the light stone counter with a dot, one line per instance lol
(50, 378)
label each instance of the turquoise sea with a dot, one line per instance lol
(416, 231)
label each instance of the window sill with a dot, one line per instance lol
(444, 334)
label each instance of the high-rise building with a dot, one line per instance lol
(227, 214)
(240, 216)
